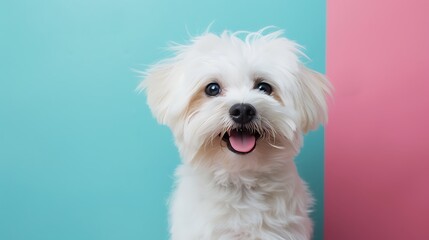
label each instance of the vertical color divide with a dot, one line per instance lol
(377, 147)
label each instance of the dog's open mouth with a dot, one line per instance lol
(241, 140)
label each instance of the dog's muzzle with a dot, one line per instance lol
(241, 140)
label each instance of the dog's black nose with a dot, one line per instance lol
(242, 113)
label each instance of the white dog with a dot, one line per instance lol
(238, 105)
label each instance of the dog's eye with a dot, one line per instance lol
(213, 89)
(264, 87)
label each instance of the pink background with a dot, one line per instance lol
(377, 139)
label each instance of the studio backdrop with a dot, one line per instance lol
(81, 157)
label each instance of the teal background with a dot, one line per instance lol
(80, 155)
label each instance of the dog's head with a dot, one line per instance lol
(233, 97)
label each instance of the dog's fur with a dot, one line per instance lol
(222, 194)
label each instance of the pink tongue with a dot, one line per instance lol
(242, 141)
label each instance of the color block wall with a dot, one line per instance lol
(82, 158)
(377, 157)
(80, 155)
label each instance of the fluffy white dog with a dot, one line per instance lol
(238, 105)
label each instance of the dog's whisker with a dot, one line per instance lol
(276, 146)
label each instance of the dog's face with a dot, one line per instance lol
(225, 98)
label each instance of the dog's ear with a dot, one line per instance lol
(158, 83)
(311, 101)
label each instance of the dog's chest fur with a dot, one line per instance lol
(245, 206)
